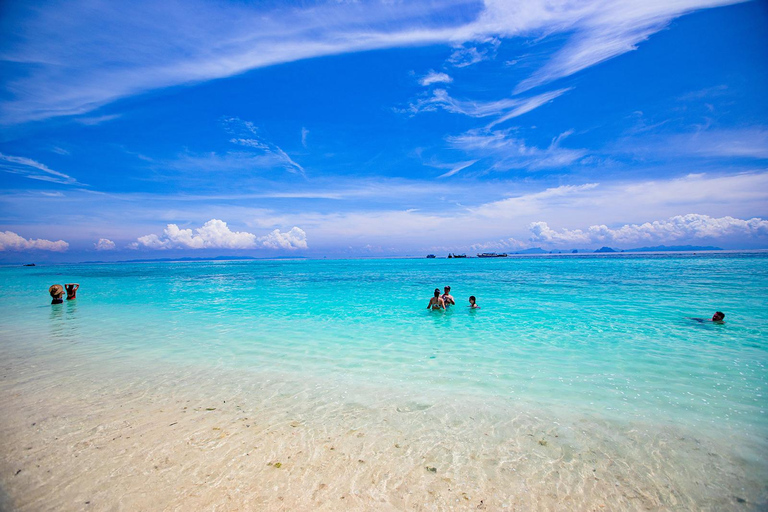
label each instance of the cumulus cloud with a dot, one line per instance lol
(215, 234)
(34, 170)
(434, 77)
(10, 241)
(680, 227)
(295, 238)
(104, 244)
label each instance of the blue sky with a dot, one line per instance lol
(380, 128)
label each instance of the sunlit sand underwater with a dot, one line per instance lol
(580, 384)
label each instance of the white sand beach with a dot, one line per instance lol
(75, 437)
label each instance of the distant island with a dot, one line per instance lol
(675, 248)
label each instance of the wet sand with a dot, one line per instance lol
(76, 436)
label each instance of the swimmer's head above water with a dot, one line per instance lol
(718, 316)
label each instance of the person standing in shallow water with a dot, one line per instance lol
(56, 291)
(71, 290)
(447, 297)
(436, 303)
(473, 302)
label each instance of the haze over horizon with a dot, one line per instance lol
(341, 129)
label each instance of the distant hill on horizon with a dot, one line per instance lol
(675, 248)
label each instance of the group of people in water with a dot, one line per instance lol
(57, 292)
(441, 302)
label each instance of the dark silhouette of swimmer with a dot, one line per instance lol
(56, 291)
(436, 302)
(717, 318)
(71, 290)
(473, 302)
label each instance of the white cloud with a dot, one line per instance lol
(456, 168)
(295, 238)
(434, 77)
(104, 244)
(506, 108)
(468, 55)
(603, 30)
(247, 135)
(10, 241)
(504, 244)
(513, 153)
(34, 170)
(215, 234)
(93, 121)
(304, 133)
(415, 213)
(750, 142)
(77, 56)
(742, 195)
(680, 227)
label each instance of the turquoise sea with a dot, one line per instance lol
(593, 338)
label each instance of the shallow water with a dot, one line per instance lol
(601, 343)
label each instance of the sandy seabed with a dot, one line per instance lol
(79, 436)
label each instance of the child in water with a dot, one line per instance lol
(472, 302)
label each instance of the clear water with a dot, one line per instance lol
(597, 336)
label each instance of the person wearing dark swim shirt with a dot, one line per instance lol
(57, 292)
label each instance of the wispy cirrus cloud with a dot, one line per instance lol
(434, 77)
(603, 30)
(470, 54)
(506, 108)
(81, 55)
(747, 142)
(34, 170)
(509, 152)
(456, 168)
(246, 134)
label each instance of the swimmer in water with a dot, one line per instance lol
(436, 303)
(447, 297)
(717, 318)
(473, 302)
(71, 290)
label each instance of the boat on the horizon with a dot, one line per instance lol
(430, 255)
(492, 255)
(451, 255)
